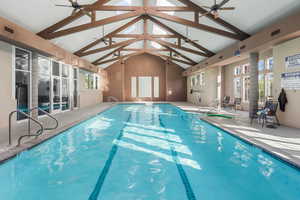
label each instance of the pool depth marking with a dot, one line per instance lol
(188, 188)
(94, 195)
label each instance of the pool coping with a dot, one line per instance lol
(277, 154)
(14, 151)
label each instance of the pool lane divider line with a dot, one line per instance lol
(188, 188)
(94, 195)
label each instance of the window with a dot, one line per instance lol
(269, 66)
(261, 65)
(193, 81)
(56, 86)
(44, 85)
(269, 85)
(133, 87)
(202, 80)
(22, 80)
(246, 88)
(237, 87)
(261, 87)
(75, 88)
(156, 86)
(145, 86)
(246, 69)
(237, 71)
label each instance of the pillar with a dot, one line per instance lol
(34, 82)
(253, 96)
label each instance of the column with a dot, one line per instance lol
(253, 96)
(34, 86)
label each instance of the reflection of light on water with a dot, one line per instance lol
(267, 166)
(199, 133)
(183, 161)
(152, 133)
(220, 139)
(150, 127)
(241, 155)
(158, 143)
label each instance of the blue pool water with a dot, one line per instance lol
(147, 152)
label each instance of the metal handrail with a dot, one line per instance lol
(46, 113)
(39, 132)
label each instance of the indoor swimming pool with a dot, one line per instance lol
(147, 152)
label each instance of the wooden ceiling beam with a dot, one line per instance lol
(169, 29)
(98, 41)
(95, 24)
(149, 49)
(134, 8)
(110, 53)
(196, 25)
(93, 51)
(171, 58)
(120, 57)
(138, 35)
(169, 44)
(68, 20)
(220, 21)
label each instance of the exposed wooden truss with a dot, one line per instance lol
(145, 13)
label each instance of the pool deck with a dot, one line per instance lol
(283, 142)
(66, 121)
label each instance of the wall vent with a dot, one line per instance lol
(9, 30)
(276, 32)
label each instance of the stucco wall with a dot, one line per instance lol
(170, 78)
(7, 102)
(208, 92)
(291, 117)
(88, 97)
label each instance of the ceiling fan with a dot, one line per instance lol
(76, 7)
(214, 10)
(104, 40)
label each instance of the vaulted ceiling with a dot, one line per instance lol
(109, 30)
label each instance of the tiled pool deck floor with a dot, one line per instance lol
(283, 141)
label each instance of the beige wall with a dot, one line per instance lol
(7, 102)
(170, 78)
(88, 97)
(291, 117)
(208, 92)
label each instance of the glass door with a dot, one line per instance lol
(75, 93)
(56, 87)
(65, 103)
(22, 80)
(44, 84)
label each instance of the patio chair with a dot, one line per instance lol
(271, 113)
(268, 112)
(237, 103)
(226, 101)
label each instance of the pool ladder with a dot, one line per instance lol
(38, 132)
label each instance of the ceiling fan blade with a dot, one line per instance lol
(208, 7)
(205, 14)
(223, 3)
(63, 6)
(227, 8)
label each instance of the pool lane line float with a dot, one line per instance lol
(219, 115)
